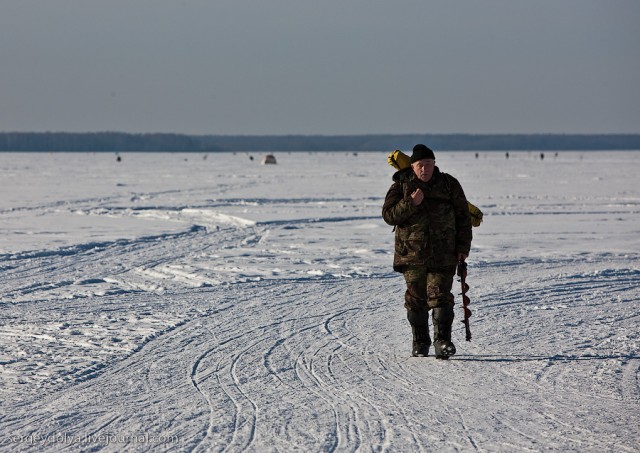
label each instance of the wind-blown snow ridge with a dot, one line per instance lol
(318, 220)
(92, 247)
(200, 216)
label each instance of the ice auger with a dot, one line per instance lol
(462, 273)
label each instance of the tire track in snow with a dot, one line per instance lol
(370, 386)
(289, 340)
(381, 427)
(245, 424)
(237, 438)
(195, 381)
(95, 402)
(579, 359)
(281, 339)
(304, 376)
(230, 374)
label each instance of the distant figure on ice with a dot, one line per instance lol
(541, 156)
(506, 154)
(269, 159)
(433, 233)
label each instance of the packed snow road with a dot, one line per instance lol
(173, 303)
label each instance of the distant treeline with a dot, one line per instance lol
(120, 142)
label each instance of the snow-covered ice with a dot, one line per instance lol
(191, 302)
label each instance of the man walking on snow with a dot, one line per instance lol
(430, 214)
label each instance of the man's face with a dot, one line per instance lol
(424, 169)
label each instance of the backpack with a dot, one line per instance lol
(399, 160)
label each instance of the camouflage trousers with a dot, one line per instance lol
(428, 287)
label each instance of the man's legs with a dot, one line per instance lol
(415, 301)
(440, 300)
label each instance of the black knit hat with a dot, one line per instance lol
(420, 152)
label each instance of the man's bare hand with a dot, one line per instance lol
(417, 197)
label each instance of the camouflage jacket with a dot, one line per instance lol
(434, 232)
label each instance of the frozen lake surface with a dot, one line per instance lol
(210, 303)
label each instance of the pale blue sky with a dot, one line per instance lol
(320, 67)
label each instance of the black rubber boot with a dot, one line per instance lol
(419, 321)
(442, 321)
